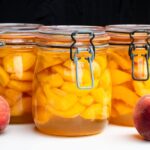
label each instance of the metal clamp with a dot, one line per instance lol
(76, 61)
(74, 57)
(74, 34)
(133, 47)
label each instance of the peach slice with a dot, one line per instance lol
(59, 99)
(74, 111)
(12, 96)
(121, 61)
(54, 80)
(41, 115)
(23, 76)
(4, 77)
(122, 108)
(66, 74)
(72, 88)
(142, 87)
(95, 111)
(39, 98)
(20, 85)
(19, 62)
(119, 77)
(86, 100)
(125, 94)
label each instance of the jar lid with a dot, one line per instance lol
(124, 34)
(64, 35)
(19, 26)
(68, 30)
(18, 33)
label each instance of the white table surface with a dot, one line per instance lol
(26, 137)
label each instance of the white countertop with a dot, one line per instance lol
(26, 137)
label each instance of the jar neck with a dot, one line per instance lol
(14, 39)
(67, 41)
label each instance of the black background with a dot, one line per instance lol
(75, 12)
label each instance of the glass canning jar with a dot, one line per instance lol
(72, 85)
(17, 60)
(129, 66)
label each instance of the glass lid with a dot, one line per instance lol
(18, 33)
(125, 33)
(68, 30)
(60, 35)
(128, 28)
(19, 26)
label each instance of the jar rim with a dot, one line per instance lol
(125, 33)
(19, 27)
(69, 29)
(127, 28)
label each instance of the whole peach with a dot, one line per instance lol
(142, 117)
(4, 114)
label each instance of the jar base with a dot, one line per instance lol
(72, 127)
(125, 120)
(21, 119)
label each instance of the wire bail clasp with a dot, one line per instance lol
(133, 54)
(74, 57)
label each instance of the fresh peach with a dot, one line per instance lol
(4, 114)
(142, 117)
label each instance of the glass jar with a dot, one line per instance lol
(17, 60)
(129, 67)
(72, 85)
